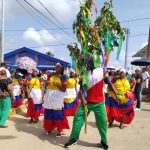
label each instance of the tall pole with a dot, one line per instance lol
(126, 51)
(2, 35)
(148, 50)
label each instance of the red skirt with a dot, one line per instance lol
(71, 108)
(55, 119)
(17, 102)
(117, 111)
(34, 110)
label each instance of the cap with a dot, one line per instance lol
(35, 69)
(72, 71)
(122, 70)
(138, 69)
(58, 64)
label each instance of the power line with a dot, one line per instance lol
(30, 13)
(53, 45)
(136, 35)
(50, 13)
(34, 8)
(48, 19)
(35, 13)
(19, 30)
(139, 19)
(37, 20)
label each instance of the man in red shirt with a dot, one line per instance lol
(95, 102)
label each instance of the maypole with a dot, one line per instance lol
(97, 39)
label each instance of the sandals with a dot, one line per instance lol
(30, 121)
(58, 135)
(33, 121)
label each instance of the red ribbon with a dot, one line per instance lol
(96, 9)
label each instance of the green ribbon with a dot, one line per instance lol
(119, 47)
(88, 21)
(85, 76)
(94, 60)
(108, 42)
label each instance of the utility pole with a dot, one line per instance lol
(126, 51)
(148, 50)
(2, 34)
(148, 47)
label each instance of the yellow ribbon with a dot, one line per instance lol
(82, 34)
(89, 13)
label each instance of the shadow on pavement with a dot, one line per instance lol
(92, 124)
(145, 109)
(22, 125)
(7, 137)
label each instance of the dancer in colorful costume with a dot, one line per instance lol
(94, 102)
(120, 109)
(35, 95)
(71, 101)
(97, 40)
(17, 81)
(53, 102)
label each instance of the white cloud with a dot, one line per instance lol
(64, 10)
(40, 37)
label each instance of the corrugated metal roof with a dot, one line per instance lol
(142, 52)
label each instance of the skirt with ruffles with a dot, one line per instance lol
(54, 118)
(17, 101)
(116, 110)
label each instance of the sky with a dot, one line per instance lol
(24, 27)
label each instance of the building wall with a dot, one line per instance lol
(39, 59)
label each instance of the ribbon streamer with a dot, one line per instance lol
(96, 9)
(73, 63)
(119, 47)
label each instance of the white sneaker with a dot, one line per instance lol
(137, 109)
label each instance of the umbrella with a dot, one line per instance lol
(26, 63)
(141, 62)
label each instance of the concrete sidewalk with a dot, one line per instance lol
(23, 136)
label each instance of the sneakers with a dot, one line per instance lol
(70, 142)
(74, 141)
(137, 109)
(103, 145)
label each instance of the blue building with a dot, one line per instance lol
(44, 61)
